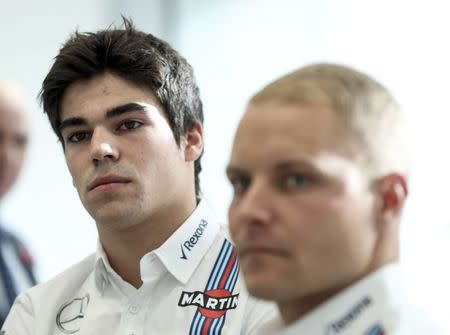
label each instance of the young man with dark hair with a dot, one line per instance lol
(127, 110)
(319, 169)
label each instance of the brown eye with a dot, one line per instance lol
(130, 124)
(77, 137)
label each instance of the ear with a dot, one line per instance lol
(393, 190)
(193, 142)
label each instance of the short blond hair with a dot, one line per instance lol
(367, 108)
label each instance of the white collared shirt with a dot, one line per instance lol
(376, 305)
(191, 285)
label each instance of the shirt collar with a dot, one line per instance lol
(100, 268)
(360, 306)
(183, 251)
(180, 254)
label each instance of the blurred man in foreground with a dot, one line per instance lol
(319, 169)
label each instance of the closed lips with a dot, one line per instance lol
(107, 180)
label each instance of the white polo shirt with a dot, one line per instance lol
(376, 305)
(191, 285)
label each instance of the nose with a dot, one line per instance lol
(103, 147)
(256, 205)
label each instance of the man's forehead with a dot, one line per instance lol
(309, 112)
(289, 125)
(9, 89)
(101, 93)
(14, 118)
(272, 133)
(12, 101)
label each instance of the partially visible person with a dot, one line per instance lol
(16, 270)
(127, 109)
(319, 169)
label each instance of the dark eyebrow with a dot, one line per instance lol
(113, 112)
(71, 122)
(127, 108)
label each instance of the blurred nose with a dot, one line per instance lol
(103, 147)
(256, 204)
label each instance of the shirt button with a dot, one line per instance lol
(134, 309)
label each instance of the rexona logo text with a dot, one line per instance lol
(192, 241)
(211, 304)
(354, 313)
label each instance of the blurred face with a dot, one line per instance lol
(14, 129)
(302, 212)
(121, 153)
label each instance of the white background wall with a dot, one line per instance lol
(236, 46)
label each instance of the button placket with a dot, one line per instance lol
(134, 309)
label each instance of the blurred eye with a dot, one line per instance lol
(239, 185)
(77, 137)
(130, 124)
(21, 141)
(295, 181)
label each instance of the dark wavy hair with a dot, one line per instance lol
(135, 56)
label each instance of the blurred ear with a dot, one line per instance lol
(193, 142)
(393, 190)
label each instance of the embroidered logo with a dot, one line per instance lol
(212, 304)
(68, 319)
(192, 241)
(377, 329)
(218, 296)
(339, 325)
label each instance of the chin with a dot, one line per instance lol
(264, 286)
(111, 215)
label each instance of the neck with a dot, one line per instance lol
(293, 310)
(126, 247)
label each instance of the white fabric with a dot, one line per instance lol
(90, 298)
(375, 305)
